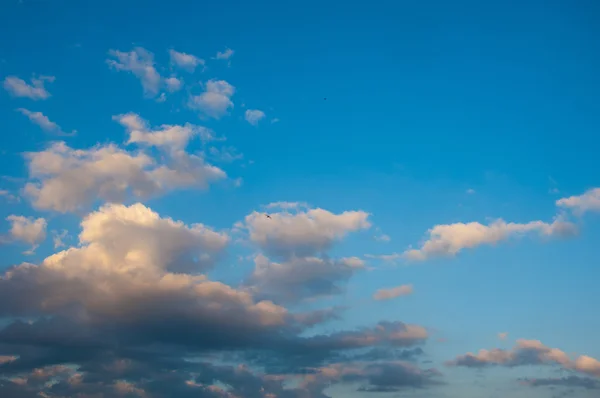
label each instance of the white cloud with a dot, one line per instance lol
(383, 238)
(274, 120)
(388, 294)
(140, 62)
(215, 101)
(35, 91)
(45, 124)
(253, 116)
(227, 54)
(185, 61)
(173, 84)
(27, 229)
(169, 136)
(305, 233)
(588, 201)
(450, 239)
(226, 154)
(72, 179)
(470, 191)
(502, 335)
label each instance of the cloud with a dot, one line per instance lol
(130, 310)
(35, 91)
(569, 381)
(45, 124)
(185, 61)
(470, 191)
(383, 238)
(173, 84)
(588, 201)
(450, 239)
(253, 116)
(502, 335)
(226, 55)
(215, 101)
(58, 238)
(226, 154)
(528, 352)
(303, 277)
(388, 258)
(305, 233)
(9, 196)
(388, 294)
(72, 179)
(140, 62)
(27, 229)
(172, 137)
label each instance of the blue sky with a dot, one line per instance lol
(460, 139)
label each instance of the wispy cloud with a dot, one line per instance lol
(44, 123)
(35, 91)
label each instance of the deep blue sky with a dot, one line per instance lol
(395, 108)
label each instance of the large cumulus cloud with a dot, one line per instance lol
(129, 311)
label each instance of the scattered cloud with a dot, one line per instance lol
(28, 229)
(529, 352)
(35, 91)
(10, 197)
(215, 101)
(450, 239)
(274, 120)
(588, 201)
(226, 55)
(45, 124)
(140, 62)
(569, 381)
(225, 154)
(502, 335)
(383, 238)
(173, 84)
(185, 61)
(253, 116)
(388, 294)
(470, 191)
(59, 237)
(388, 258)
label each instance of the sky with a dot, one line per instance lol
(299, 200)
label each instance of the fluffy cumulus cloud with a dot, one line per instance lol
(215, 100)
(253, 116)
(27, 229)
(304, 232)
(44, 123)
(299, 238)
(586, 202)
(185, 61)
(18, 87)
(528, 353)
(393, 292)
(130, 311)
(67, 179)
(450, 239)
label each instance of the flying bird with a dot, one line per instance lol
(268, 216)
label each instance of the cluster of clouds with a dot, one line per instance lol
(131, 310)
